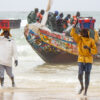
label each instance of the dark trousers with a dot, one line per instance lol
(84, 67)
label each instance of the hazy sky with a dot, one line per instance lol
(61, 5)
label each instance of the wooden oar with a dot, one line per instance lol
(44, 20)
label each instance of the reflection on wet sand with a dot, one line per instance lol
(7, 96)
(51, 93)
(83, 98)
(33, 96)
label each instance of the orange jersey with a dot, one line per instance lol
(39, 15)
(74, 19)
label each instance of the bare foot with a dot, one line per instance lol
(13, 84)
(80, 91)
(85, 94)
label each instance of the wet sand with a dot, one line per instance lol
(50, 91)
(50, 82)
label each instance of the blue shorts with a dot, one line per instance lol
(84, 67)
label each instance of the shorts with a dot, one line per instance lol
(84, 67)
(8, 71)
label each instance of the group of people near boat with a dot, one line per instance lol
(35, 16)
(55, 22)
(86, 45)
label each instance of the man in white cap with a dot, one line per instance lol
(8, 51)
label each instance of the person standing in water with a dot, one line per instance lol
(86, 50)
(8, 51)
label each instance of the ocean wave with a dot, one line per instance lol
(24, 50)
(23, 23)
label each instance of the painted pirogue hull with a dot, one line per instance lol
(51, 47)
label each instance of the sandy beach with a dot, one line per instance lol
(49, 91)
(49, 82)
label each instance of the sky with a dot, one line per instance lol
(60, 5)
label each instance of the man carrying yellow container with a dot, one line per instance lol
(8, 51)
(86, 50)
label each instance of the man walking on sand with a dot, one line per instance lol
(8, 51)
(86, 50)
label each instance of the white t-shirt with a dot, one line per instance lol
(8, 51)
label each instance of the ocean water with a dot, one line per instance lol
(32, 70)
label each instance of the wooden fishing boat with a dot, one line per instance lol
(52, 47)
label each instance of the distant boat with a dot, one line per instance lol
(52, 47)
